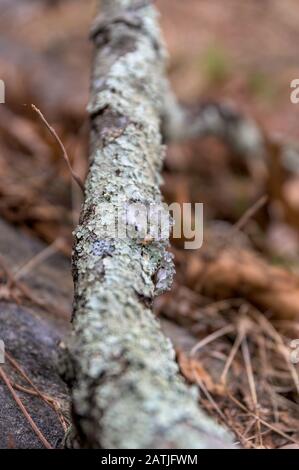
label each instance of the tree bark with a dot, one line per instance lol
(125, 385)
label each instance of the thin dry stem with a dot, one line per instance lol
(252, 387)
(208, 339)
(38, 259)
(265, 423)
(62, 147)
(24, 410)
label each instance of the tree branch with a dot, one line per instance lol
(125, 386)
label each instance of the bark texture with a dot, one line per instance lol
(125, 385)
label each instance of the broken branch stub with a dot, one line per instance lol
(125, 386)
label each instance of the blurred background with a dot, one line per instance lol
(234, 307)
(245, 54)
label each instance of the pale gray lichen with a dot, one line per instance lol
(125, 386)
(102, 247)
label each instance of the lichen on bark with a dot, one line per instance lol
(125, 386)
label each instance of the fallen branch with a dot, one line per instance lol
(245, 136)
(125, 386)
(212, 119)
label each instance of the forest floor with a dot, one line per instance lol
(234, 308)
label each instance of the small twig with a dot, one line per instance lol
(64, 152)
(265, 367)
(202, 386)
(265, 423)
(252, 387)
(208, 339)
(27, 292)
(242, 222)
(231, 356)
(249, 427)
(269, 328)
(54, 404)
(37, 259)
(248, 214)
(24, 410)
